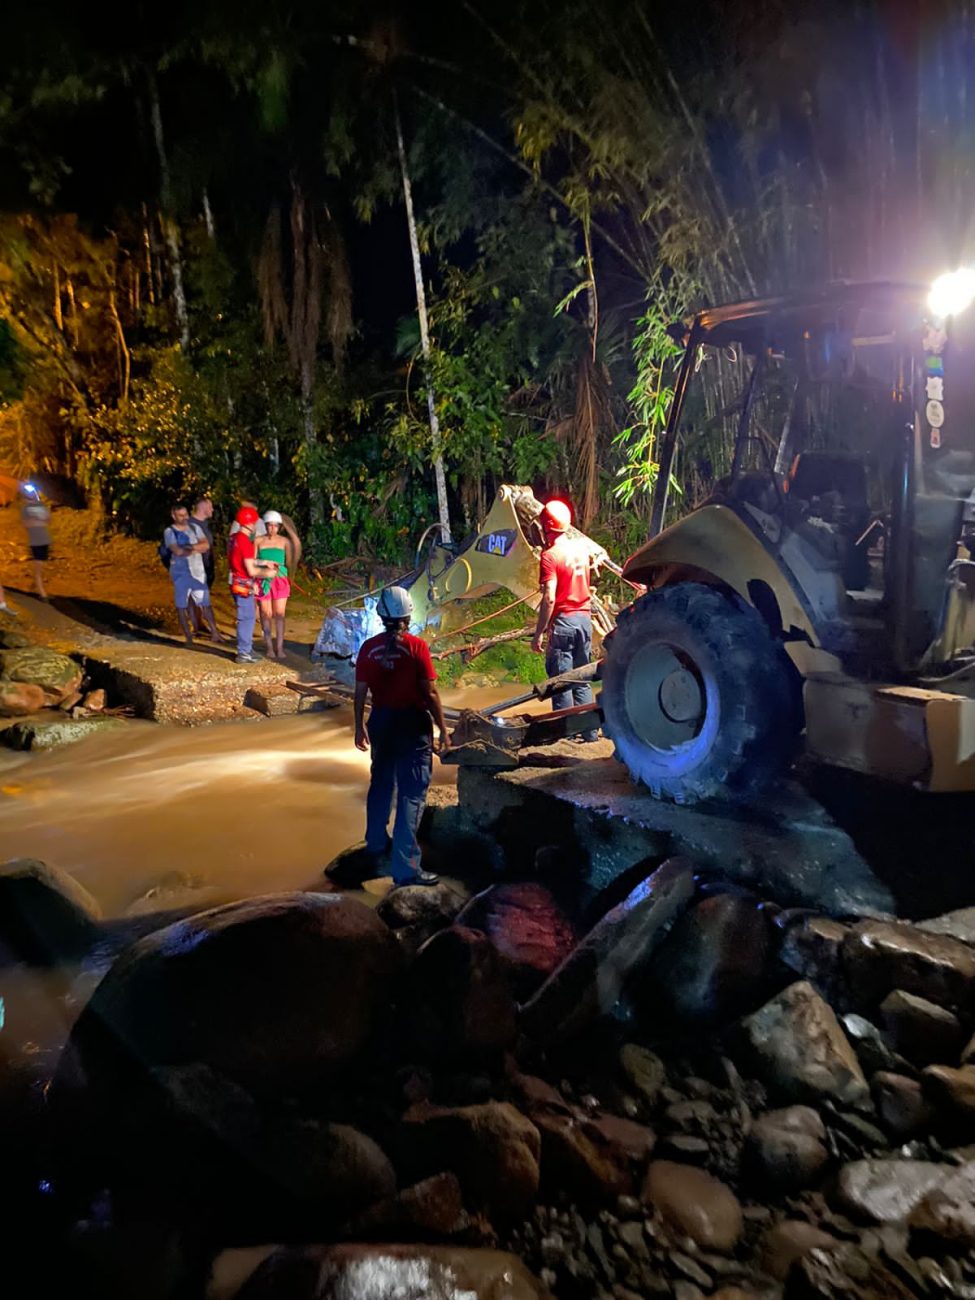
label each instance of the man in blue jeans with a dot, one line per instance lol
(395, 668)
(565, 614)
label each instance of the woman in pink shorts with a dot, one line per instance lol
(283, 549)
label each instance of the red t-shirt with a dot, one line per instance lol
(567, 561)
(394, 674)
(241, 549)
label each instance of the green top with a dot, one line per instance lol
(278, 553)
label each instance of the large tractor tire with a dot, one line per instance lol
(697, 695)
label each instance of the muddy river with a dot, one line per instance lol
(228, 810)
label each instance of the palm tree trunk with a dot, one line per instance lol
(421, 307)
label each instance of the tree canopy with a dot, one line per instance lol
(205, 270)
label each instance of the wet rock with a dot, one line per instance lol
(871, 1047)
(685, 1148)
(712, 965)
(844, 1273)
(532, 1093)
(922, 1031)
(786, 1150)
(968, 1052)
(955, 925)
(881, 956)
(643, 1070)
(887, 1191)
(576, 1159)
(589, 981)
(354, 865)
(433, 908)
(690, 1116)
(696, 1204)
(945, 1218)
(278, 993)
(900, 1104)
(431, 1208)
(458, 1003)
(327, 1171)
(952, 1094)
(377, 1272)
(492, 1148)
(627, 1139)
(801, 1051)
(529, 929)
(45, 914)
(812, 949)
(788, 1241)
(56, 674)
(61, 731)
(18, 699)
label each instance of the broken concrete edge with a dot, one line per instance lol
(591, 811)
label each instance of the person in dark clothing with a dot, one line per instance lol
(565, 614)
(396, 670)
(201, 515)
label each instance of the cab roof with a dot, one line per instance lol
(842, 301)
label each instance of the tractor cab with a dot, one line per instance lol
(840, 430)
(824, 579)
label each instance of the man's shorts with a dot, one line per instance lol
(186, 588)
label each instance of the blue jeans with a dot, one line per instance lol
(401, 743)
(570, 646)
(246, 618)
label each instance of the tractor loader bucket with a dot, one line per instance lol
(482, 739)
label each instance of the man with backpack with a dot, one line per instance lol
(186, 545)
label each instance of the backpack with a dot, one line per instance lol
(165, 555)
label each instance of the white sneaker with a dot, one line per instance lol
(7, 609)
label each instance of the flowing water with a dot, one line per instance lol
(222, 811)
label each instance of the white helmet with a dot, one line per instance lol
(272, 517)
(395, 602)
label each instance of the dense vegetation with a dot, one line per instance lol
(206, 280)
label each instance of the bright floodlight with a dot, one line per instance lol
(952, 292)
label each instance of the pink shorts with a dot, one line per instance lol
(280, 589)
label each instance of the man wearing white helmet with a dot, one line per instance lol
(395, 668)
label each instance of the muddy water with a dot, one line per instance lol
(220, 812)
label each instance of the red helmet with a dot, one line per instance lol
(247, 516)
(556, 517)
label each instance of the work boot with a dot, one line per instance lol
(419, 878)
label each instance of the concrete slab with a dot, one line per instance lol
(586, 810)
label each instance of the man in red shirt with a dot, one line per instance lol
(565, 613)
(395, 668)
(244, 568)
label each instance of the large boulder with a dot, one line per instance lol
(56, 674)
(589, 982)
(277, 993)
(695, 1203)
(18, 699)
(800, 1050)
(881, 956)
(527, 926)
(458, 1003)
(492, 1148)
(712, 966)
(46, 916)
(194, 1147)
(888, 1191)
(365, 1272)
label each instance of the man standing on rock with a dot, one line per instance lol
(565, 614)
(244, 568)
(201, 516)
(395, 668)
(187, 545)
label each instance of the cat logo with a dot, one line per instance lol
(499, 543)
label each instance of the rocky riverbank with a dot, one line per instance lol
(690, 1092)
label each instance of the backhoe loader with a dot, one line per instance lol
(825, 587)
